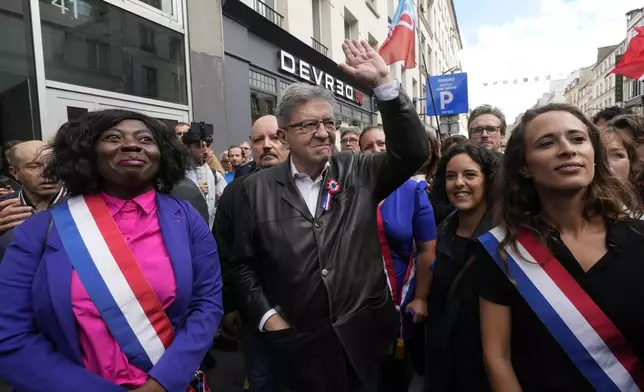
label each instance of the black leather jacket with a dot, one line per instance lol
(327, 269)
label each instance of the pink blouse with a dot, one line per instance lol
(138, 222)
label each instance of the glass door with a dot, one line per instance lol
(66, 106)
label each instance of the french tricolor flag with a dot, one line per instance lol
(400, 44)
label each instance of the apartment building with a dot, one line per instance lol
(633, 91)
(604, 84)
(438, 43)
(580, 79)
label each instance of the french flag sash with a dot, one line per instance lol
(582, 329)
(113, 279)
(400, 296)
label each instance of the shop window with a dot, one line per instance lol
(262, 82)
(261, 104)
(108, 48)
(19, 117)
(283, 86)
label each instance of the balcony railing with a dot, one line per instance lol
(317, 45)
(267, 12)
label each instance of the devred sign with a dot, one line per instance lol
(305, 71)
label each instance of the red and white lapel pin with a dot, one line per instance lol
(332, 187)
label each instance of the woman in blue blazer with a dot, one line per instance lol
(119, 288)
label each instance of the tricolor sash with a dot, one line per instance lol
(113, 279)
(400, 296)
(582, 329)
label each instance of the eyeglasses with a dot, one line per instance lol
(310, 126)
(490, 130)
(349, 141)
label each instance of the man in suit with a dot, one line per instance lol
(308, 263)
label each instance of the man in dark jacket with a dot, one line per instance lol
(260, 370)
(27, 161)
(308, 262)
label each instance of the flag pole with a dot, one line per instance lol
(429, 83)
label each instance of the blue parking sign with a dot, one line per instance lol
(450, 94)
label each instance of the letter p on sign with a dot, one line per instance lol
(446, 97)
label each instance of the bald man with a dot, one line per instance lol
(268, 152)
(27, 161)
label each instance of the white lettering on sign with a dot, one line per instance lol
(305, 71)
(318, 76)
(63, 8)
(348, 92)
(287, 62)
(339, 88)
(329, 82)
(446, 97)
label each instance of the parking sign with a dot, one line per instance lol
(450, 94)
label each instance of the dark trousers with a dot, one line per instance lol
(315, 362)
(261, 370)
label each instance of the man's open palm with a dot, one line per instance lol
(364, 64)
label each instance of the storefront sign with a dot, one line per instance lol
(305, 71)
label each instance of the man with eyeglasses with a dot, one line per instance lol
(486, 127)
(349, 138)
(309, 267)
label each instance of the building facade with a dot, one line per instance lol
(633, 90)
(262, 59)
(603, 83)
(62, 58)
(580, 78)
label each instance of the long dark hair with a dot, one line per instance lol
(518, 205)
(489, 163)
(74, 158)
(429, 167)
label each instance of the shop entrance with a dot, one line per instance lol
(63, 106)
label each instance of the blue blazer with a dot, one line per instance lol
(39, 347)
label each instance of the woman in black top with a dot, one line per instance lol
(463, 179)
(556, 189)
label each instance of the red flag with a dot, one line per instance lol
(632, 63)
(400, 44)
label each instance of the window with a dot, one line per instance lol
(261, 104)
(150, 81)
(165, 6)
(131, 52)
(98, 55)
(147, 39)
(19, 118)
(317, 21)
(176, 48)
(262, 82)
(350, 25)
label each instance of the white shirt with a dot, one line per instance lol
(215, 188)
(310, 189)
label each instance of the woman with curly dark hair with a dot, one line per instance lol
(464, 179)
(118, 288)
(561, 276)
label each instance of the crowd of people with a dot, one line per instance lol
(401, 263)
